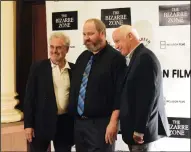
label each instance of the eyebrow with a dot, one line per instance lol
(56, 45)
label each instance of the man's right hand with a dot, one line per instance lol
(29, 133)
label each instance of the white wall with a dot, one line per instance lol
(173, 57)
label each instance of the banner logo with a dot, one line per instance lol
(170, 15)
(114, 18)
(165, 44)
(179, 127)
(145, 41)
(65, 20)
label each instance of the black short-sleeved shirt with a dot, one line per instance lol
(104, 82)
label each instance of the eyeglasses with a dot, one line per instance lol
(52, 47)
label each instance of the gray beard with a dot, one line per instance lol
(94, 48)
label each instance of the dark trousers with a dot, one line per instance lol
(89, 135)
(63, 140)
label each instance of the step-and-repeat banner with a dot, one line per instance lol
(164, 27)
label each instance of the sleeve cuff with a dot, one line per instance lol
(138, 134)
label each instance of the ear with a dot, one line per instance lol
(102, 34)
(130, 36)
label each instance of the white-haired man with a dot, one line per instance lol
(142, 113)
(46, 100)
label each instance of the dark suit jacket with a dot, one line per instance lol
(40, 108)
(142, 105)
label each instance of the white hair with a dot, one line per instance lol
(62, 36)
(126, 29)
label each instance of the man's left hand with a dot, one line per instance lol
(111, 132)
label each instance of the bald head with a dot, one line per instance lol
(125, 38)
(124, 30)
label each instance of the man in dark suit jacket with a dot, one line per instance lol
(46, 99)
(142, 113)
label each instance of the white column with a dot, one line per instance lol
(8, 64)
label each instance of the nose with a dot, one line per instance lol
(54, 50)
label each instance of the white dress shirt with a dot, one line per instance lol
(61, 81)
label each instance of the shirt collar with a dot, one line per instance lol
(67, 66)
(131, 53)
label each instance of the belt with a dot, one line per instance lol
(82, 117)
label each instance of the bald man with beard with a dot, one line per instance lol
(142, 112)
